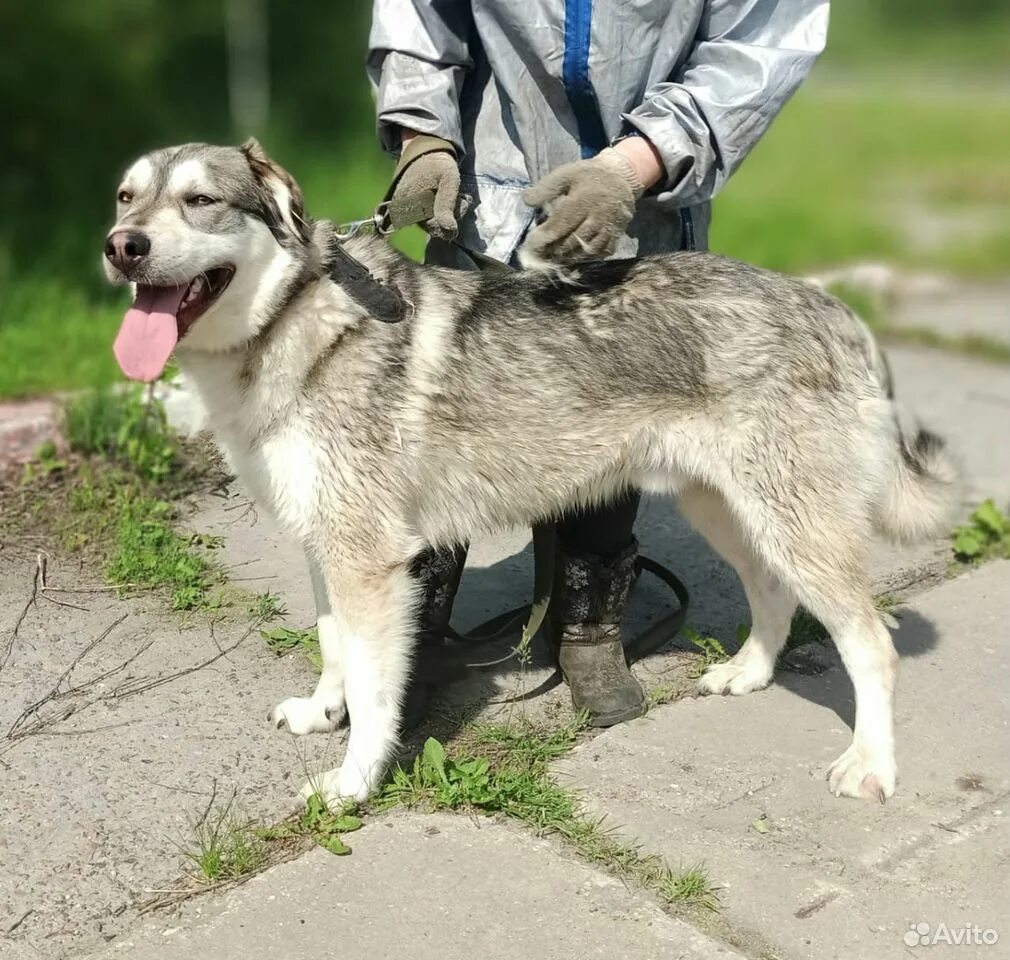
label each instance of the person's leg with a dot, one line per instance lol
(594, 573)
(436, 572)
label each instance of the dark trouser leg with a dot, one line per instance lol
(602, 531)
(593, 576)
(438, 573)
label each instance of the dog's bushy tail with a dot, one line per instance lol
(921, 493)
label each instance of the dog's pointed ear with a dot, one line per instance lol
(283, 203)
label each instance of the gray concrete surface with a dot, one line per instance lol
(956, 309)
(832, 878)
(428, 887)
(93, 805)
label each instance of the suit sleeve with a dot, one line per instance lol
(418, 57)
(750, 56)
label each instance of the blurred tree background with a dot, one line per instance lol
(909, 111)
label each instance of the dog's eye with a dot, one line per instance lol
(200, 200)
(125, 196)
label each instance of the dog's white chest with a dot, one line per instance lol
(281, 473)
(289, 462)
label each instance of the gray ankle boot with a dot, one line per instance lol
(438, 573)
(589, 597)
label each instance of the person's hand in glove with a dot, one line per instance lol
(589, 203)
(428, 164)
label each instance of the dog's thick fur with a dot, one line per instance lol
(760, 401)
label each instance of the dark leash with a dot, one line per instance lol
(386, 303)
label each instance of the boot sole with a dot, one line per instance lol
(618, 716)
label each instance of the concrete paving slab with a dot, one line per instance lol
(737, 783)
(427, 887)
(95, 803)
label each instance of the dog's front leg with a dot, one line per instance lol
(324, 710)
(375, 615)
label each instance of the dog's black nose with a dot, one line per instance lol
(124, 249)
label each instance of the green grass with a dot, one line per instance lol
(54, 336)
(847, 165)
(112, 499)
(503, 770)
(224, 846)
(149, 553)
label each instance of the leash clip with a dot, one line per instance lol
(344, 231)
(381, 219)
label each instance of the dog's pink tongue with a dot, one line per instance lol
(149, 332)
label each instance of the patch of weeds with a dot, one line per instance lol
(109, 499)
(669, 692)
(282, 640)
(149, 553)
(225, 846)
(712, 651)
(319, 823)
(47, 461)
(267, 607)
(503, 770)
(125, 427)
(985, 537)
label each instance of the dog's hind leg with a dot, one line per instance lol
(867, 768)
(815, 542)
(324, 710)
(771, 604)
(375, 615)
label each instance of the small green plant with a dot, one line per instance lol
(668, 692)
(225, 846)
(711, 650)
(267, 607)
(47, 460)
(986, 536)
(282, 640)
(318, 822)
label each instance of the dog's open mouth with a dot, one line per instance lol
(160, 317)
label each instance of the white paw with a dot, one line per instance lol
(856, 773)
(301, 715)
(338, 786)
(736, 677)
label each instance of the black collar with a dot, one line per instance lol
(381, 300)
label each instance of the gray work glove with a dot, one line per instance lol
(588, 206)
(428, 165)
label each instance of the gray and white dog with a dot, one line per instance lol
(762, 402)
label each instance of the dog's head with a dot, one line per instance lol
(208, 236)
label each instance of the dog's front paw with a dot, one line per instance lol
(301, 715)
(735, 677)
(858, 774)
(338, 786)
